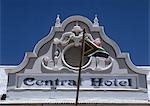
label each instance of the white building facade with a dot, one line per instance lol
(48, 75)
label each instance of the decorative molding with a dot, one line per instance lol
(61, 28)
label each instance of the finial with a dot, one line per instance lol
(57, 23)
(96, 23)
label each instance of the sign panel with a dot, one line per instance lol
(67, 81)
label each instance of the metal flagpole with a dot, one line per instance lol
(80, 68)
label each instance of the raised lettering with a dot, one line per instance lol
(96, 81)
(29, 81)
(108, 83)
(123, 83)
(39, 82)
(49, 82)
(72, 83)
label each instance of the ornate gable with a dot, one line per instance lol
(55, 60)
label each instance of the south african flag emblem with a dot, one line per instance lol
(91, 49)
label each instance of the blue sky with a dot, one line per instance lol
(25, 22)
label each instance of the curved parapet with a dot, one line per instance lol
(54, 64)
(66, 25)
